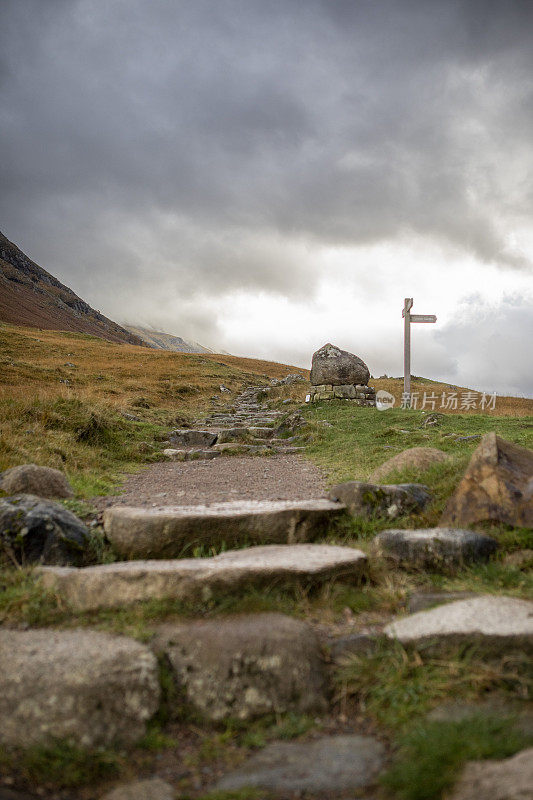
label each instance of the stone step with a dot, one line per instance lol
(121, 583)
(169, 531)
(490, 623)
(190, 455)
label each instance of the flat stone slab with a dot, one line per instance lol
(169, 532)
(121, 583)
(190, 455)
(390, 500)
(330, 764)
(192, 438)
(490, 622)
(439, 549)
(84, 686)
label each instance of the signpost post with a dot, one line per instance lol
(408, 318)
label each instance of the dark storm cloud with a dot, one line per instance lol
(200, 144)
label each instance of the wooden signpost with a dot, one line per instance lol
(408, 318)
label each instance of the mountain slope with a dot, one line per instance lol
(31, 296)
(166, 341)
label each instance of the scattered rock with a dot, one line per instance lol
(434, 548)
(370, 500)
(497, 485)
(294, 377)
(508, 779)
(337, 367)
(490, 623)
(167, 532)
(247, 666)
(130, 417)
(355, 644)
(120, 583)
(328, 765)
(151, 789)
(418, 458)
(420, 601)
(36, 530)
(84, 686)
(31, 479)
(433, 420)
(191, 438)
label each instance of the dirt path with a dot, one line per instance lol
(278, 477)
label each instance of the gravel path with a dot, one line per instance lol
(278, 477)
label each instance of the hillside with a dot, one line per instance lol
(166, 341)
(31, 296)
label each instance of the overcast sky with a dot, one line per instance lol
(264, 176)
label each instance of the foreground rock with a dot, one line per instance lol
(492, 624)
(150, 789)
(509, 779)
(327, 765)
(32, 479)
(497, 485)
(190, 455)
(87, 687)
(110, 585)
(191, 438)
(337, 367)
(168, 532)
(371, 500)
(36, 530)
(440, 549)
(247, 666)
(415, 458)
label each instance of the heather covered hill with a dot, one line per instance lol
(31, 296)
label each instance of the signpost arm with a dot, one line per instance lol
(407, 349)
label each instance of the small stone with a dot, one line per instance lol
(151, 789)
(329, 765)
(39, 481)
(434, 548)
(370, 500)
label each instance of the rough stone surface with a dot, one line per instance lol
(109, 585)
(497, 485)
(491, 623)
(334, 366)
(168, 532)
(354, 644)
(434, 548)
(247, 666)
(418, 458)
(370, 500)
(88, 687)
(508, 779)
(330, 764)
(150, 789)
(291, 424)
(32, 479)
(191, 438)
(190, 455)
(33, 529)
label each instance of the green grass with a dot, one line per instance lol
(61, 764)
(431, 754)
(398, 686)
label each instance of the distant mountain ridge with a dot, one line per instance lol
(31, 296)
(167, 341)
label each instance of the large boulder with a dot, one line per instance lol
(371, 500)
(440, 549)
(87, 687)
(490, 623)
(508, 779)
(36, 530)
(497, 485)
(415, 458)
(330, 766)
(338, 367)
(32, 479)
(247, 666)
